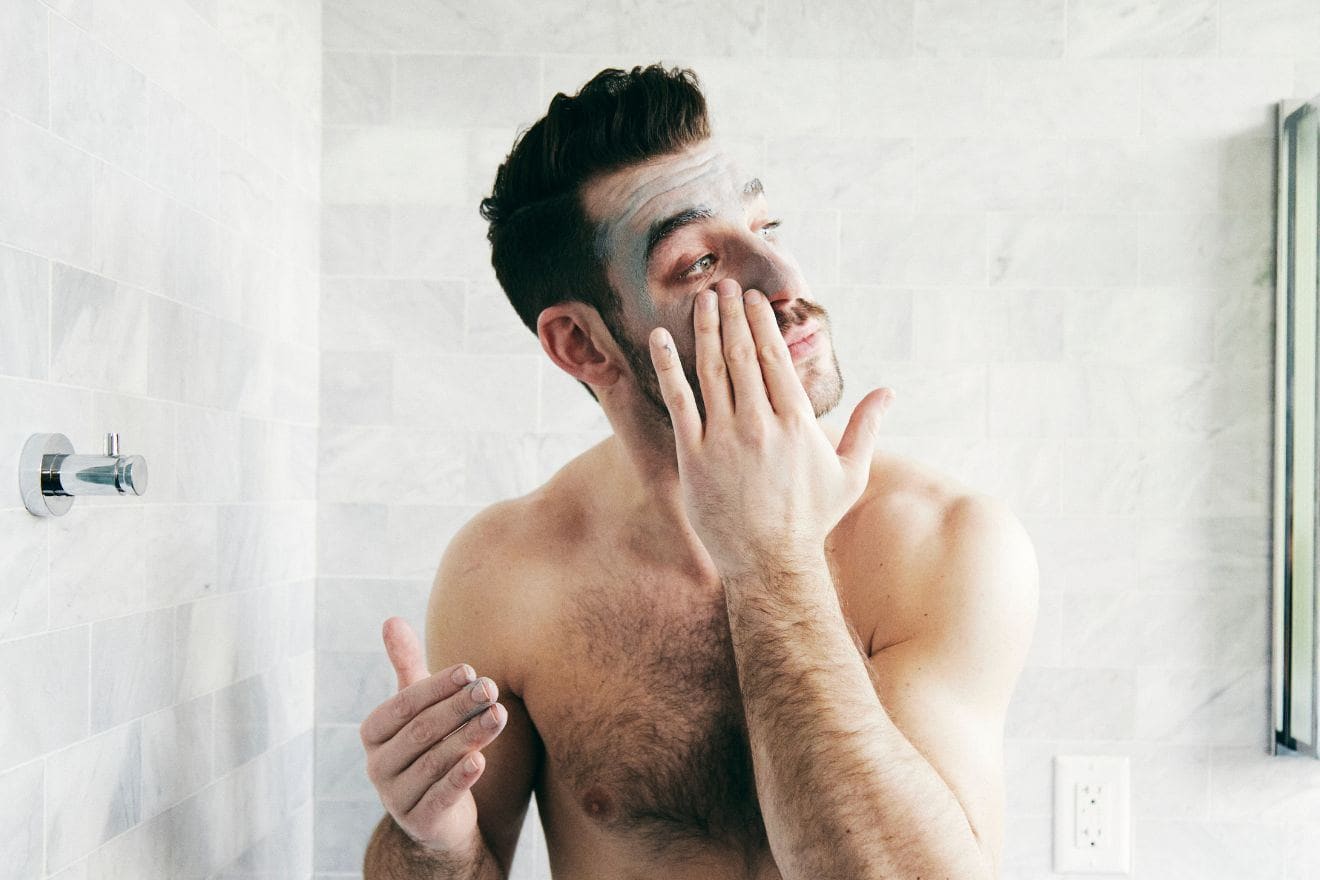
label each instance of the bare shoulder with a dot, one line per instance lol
(916, 542)
(497, 574)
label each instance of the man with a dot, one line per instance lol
(727, 641)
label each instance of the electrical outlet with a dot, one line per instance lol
(1092, 814)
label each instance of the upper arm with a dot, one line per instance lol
(947, 688)
(468, 621)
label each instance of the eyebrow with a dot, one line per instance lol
(662, 229)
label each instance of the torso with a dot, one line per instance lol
(629, 679)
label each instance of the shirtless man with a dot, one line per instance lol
(728, 641)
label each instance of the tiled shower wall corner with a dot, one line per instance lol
(159, 260)
(1047, 224)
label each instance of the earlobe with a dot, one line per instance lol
(579, 345)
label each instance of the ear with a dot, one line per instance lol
(577, 340)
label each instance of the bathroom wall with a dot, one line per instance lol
(1048, 225)
(159, 258)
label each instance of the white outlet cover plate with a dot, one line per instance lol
(1114, 854)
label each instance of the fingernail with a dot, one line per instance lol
(464, 674)
(751, 296)
(489, 719)
(707, 299)
(480, 692)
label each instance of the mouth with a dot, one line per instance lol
(802, 340)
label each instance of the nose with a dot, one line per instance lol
(771, 272)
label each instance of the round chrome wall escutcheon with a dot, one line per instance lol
(38, 468)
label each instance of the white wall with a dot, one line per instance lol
(159, 248)
(1047, 224)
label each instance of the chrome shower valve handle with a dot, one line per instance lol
(50, 474)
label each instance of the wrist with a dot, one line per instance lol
(766, 568)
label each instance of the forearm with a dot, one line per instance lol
(393, 855)
(842, 790)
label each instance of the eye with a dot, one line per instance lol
(691, 271)
(772, 226)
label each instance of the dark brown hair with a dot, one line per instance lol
(544, 248)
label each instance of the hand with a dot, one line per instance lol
(762, 483)
(418, 768)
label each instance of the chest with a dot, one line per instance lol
(643, 725)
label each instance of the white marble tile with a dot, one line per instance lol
(492, 326)
(25, 588)
(357, 88)
(24, 314)
(1113, 28)
(501, 466)
(22, 838)
(397, 316)
(98, 332)
(1139, 326)
(176, 753)
(1184, 850)
(389, 165)
(1212, 97)
(341, 771)
(840, 30)
(1089, 553)
(867, 174)
(1207, 250)
(209, 635)
(98, 562)
(97, 101)
(950, 402)
(1098, 476)
(1210, 706)
(1102, 628)
(343, 829)
(565, 406)
(901, 248)
(418, 535)
(350, 685)
(440, 241)
(352, 539)
(355, 239)
(206, 467)
(1182, 402)
(1038, 249)
(1073, 703)
(812, 238)
(357, 388)
(980, 29)
(24, 81)
(1272, 28)
(360, 465)
(1082, 98)
(45, 704)
(45, 187)
(182, 152)
(1217, 476)
(451, 91)
(1205, 552)
(94, 792)
(132, 667)
(1061, 400)
(448, 393)
(352, 610)
(918, 98)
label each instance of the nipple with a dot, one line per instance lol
(596, 802)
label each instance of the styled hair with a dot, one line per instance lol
(544, 248)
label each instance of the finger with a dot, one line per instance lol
(740, 352)
(781, 379)
(857, 445)
(446, 791)
(433, 723)
(675, 390)
(439, 761)
(389, 717)
(712, 373)
(404, 651)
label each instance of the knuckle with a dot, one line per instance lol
(420, 731)
(401, 707)
(738, 353)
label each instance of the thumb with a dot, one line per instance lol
(405, 651)
(857, 444)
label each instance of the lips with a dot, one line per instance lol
(801, 332)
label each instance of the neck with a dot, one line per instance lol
(646, 487)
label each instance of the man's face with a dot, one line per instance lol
(674, 226)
